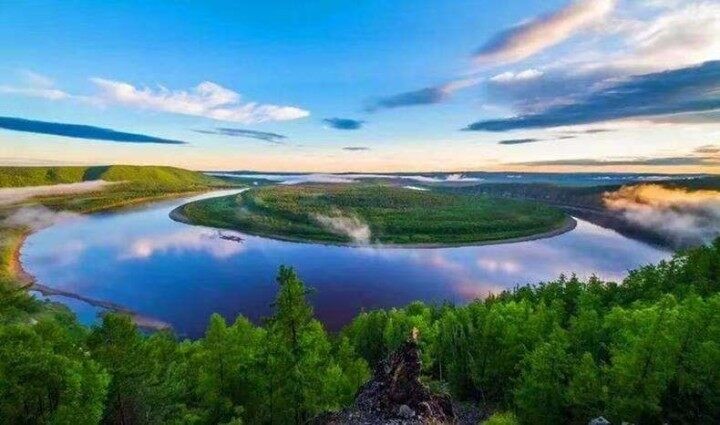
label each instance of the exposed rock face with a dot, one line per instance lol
(395, 395)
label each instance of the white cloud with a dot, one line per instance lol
(674, 39)
(186, 240)
(35, 79)
(34, 85)
(510, 77)
(207, 99)
(536, 35)
(43, 93)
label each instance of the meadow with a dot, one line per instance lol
(360, 213)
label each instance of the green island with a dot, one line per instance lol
(370, 213)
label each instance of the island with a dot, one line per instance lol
(362, 214)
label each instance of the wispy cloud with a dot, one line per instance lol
(511, 45)
(708, 155)
(692, 89)
(78, 131)
(513, 77)
(344, 123)
(33, 84)
(13, 195)
(249, 134)
(356, 148)
(592, 162)
(536, 35)
(518, 141)
(207, 99)
(426, 96)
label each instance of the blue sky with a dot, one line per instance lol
(406, 85)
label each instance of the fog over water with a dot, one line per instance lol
(181, 274)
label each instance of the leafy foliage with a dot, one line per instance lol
(567, 351)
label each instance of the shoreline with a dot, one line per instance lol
(27, 282)
(569, 224)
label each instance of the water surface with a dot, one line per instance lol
(181, 274)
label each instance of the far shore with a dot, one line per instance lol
(569, 224)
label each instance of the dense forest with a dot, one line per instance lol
(375, 213)
(645, 350)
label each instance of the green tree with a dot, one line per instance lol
(46, 377)
(540, 396)
(118, 346)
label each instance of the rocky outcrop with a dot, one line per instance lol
(395, 395)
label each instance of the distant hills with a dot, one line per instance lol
(147, 176)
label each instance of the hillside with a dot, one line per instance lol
(148, 176)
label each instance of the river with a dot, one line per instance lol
(179, 274)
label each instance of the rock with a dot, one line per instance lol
(405, 412)
(396, 395)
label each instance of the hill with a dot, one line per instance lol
(148, 176)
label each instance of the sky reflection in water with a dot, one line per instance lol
(181, 274)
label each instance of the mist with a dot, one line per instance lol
(38, 217)
(684, 217)
(353, 227)
(13, 195)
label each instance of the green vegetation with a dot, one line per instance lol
(53, 371)
(132, 184)
(150, 176)
(340, 214)
(645, 351)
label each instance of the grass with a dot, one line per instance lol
(394, 215)
(151, 176)
(133, 184)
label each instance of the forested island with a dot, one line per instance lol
(372, 213)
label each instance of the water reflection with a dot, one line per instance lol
(181, 274)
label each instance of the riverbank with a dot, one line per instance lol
(12, 270)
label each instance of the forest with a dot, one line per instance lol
(644, 350)
(378, 213)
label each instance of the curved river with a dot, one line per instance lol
(180, 274)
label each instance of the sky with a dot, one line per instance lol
(370, 86)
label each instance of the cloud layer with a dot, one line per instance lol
(79, 131)
(518, 141)
(249, 134)
(686, 90)
(12, 195)
(207, 99)
(531, 37)
(686, 217)
(707, 155)
(343, 123)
